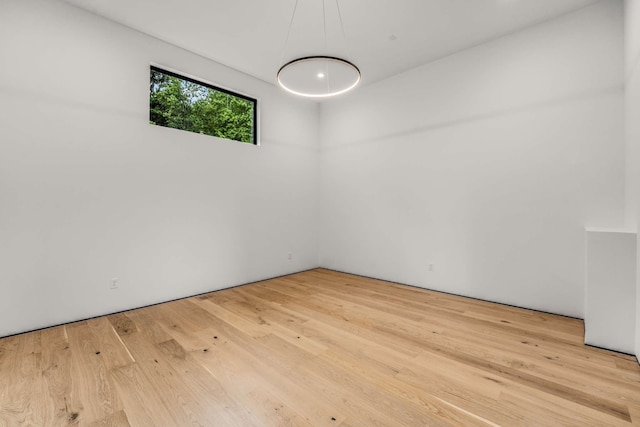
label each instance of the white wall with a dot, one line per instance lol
(632, 92)
(90, 191)
(486, 164)
(610, 289)
(632, 109)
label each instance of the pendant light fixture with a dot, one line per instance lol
(318, 76)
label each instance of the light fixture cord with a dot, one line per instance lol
(344, 36)
(324, 26)
(327, 75)
(286, 41)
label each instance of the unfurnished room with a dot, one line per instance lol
(330, 213)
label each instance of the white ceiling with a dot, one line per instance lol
(383, 37)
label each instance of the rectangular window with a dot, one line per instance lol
(182, 103)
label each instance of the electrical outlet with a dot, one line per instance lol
(289, 256)
(430, 267)
(114, 283)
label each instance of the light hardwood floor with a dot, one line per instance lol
(317, 348)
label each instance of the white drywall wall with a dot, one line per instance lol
(610, 302)
(486, 164)
(89, 191)
(632, 93)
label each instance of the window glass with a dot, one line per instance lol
(183, 103)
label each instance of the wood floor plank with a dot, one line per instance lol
(117, 419)
(61, 408)
(224, 409)
(317, 348)
(92, 390)
(109, 344)
(547, 411)
(19, 405)
(144, 408)
(174, 396)
(122, 324)
(248, 382)
(228, 315)
(261, 357)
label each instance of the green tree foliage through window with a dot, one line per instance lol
(181, 103)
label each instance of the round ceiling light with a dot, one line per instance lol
(318, 76)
